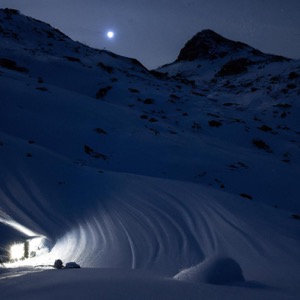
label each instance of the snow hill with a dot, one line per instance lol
(175, 183)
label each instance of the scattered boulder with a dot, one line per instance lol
(58, 264)
(72, 265)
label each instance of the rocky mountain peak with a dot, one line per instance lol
(208, 44)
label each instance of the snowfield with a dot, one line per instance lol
(177, 184)
(124, 284)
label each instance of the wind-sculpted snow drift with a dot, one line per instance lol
(135, 222)
(172, 228)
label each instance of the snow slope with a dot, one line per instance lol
(154, 184)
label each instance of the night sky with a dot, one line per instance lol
(154, 31)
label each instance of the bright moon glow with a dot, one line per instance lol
(110, 34)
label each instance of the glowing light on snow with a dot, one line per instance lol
(32, 247)
(37, 247)
(110, 34)
(17, 251)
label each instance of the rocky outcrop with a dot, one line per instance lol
(210, 45)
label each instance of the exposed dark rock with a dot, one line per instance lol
(12, 65)
(235, 67)
(88, 150)
(247, 196)
(72, 58)
(209, 45)
(102, 92)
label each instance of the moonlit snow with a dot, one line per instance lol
(179, 183)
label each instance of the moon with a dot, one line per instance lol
(110, 34)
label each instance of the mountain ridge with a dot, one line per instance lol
(117, 75)
(164, 110)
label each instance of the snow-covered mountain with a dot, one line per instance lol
(190, 171)
(251, 99)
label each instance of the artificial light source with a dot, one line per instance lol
(30, 248)
(17, 251)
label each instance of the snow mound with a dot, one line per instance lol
(214, 270)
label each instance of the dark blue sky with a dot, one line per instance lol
(154, 31)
